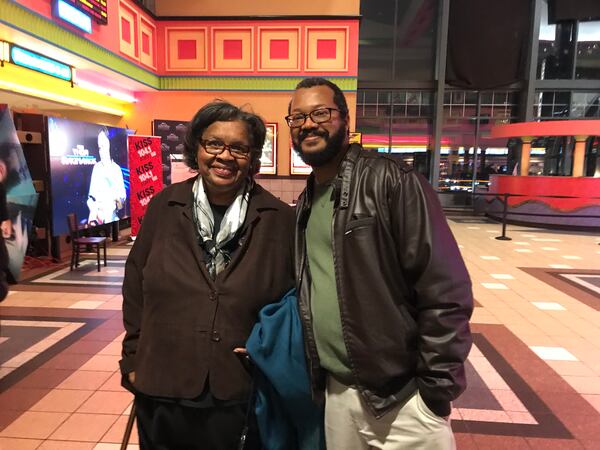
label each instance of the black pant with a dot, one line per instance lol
(170, 426)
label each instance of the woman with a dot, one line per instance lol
(212, 251)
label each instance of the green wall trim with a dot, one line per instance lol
(270, 84)
(23, 19)
(29, 22)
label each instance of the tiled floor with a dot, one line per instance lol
(534, 371)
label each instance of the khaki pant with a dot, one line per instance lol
(350, 426)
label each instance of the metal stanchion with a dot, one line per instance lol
(504, 237)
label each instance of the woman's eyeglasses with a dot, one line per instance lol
(216, 147)
(320, 115)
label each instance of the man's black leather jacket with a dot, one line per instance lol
(404, 292)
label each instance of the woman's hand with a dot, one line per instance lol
(6, 227)
(243, 356)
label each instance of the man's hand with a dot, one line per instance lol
(131, 377)
(21, 241)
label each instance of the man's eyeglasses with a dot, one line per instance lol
(216, 147)
(320, 115)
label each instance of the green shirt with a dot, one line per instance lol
(327, 323)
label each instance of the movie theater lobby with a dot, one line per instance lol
(75, 73)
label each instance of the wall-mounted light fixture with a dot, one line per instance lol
(105, 91)
(48, 95)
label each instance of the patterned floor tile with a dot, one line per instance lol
(29, 361)
(84, 275)
(553, 353)
(581, 284)
(549, 306)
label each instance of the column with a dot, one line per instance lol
(579, 156)
(525, 154)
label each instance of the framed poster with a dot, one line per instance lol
(297, 166)
(268, 160)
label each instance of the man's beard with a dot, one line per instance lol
(332, 148)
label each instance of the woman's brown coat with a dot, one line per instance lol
(181, 327)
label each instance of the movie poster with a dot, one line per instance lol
(89, 173)
(145, 163)
(20, 193)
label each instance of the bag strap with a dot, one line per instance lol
(249, 408)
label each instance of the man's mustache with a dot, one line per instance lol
(308, 133)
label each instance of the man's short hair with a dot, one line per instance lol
(105, 131)
(338, 96)
(221, 111)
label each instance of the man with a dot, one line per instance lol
(107, 192)
(384, 294)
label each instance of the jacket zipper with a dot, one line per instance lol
(337, 285)
(312, 352)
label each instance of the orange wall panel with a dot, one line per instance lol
(326, 49)
(257, 8)
(186, 49)
(304, 37)
(147, 43)
(278, 49)
(232, 49)
(128, 31)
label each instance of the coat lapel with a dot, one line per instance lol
(182, 202)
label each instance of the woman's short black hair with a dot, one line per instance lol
(221, 111)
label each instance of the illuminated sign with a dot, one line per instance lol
(72, 15)
(95, 8)
(34, 61)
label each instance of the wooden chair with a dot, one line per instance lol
(77, 243)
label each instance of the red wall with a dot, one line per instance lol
(533, 187)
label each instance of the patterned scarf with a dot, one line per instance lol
(217, 256)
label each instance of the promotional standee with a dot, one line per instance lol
(20, 193)
(145, 165)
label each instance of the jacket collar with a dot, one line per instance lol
(260, 200)
(341, 182)
(344, 176)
